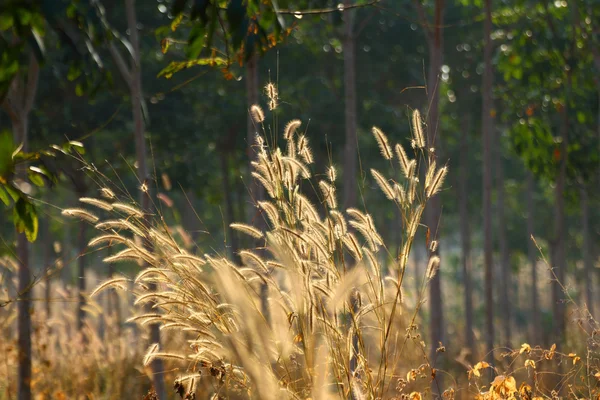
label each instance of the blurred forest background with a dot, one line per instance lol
(509, 92)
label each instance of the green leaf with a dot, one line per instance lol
(25, 218)
(35, 178)
(6, 149)
(6, 21)
(13, 192)
(176, 66)
(4, 196)
(17, 151)
(78, 146)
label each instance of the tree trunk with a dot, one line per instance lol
(487, 123)
(24, 306)
(586, 250)
(232, 249)
(465, 236)
(18, 103)
(114, 307)
(559, 261)
(47, 261)
(532, 255)
(505, 273)
(350, 149)
(433, 209)
(81, 246)
(142, 170)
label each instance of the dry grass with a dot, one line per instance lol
(315, 309)
(100, 362)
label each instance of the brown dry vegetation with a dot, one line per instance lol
(316, 306)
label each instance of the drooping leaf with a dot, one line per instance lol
(25, 218)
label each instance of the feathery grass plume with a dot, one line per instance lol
(437, 182)
(165, 356)
(357, 215)
(118, 224)
(81, 214)
(189, 257)
(353, 246)
(329, 194)
(266, 184)
(412, 189)
(249, 258)
(304, 149)
(402, 159)
(304, 209)
(151, 350)
(271, 211)
(290, 129)
(431, 169)
(383, 184)
(432, 267)
(257, 114)
(110, 238)
(272, 94)
(366, 233)
(123, 255)
(304, 172)
(382, 141)
(412, 167)
(129, 210)
(399, 194)
(260, 143)
(433, 246)
(339, 220)
(291, 148)
(418, 129)
(413, 225)
(96, 203)
(107, 193)
(357, 392)
(120, 283)
(247, 229)
(331, 174)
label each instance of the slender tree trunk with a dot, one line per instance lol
(532, 255)
(465, 234)
(81, 246)
(350, 149)
(232, 249)
(559, 261)
(433, 210)
(505, 273)
(24, 306)
(142, 168)
(18, 103)
(488, 131)
(114, 307)
(47, 261)
(586, 250)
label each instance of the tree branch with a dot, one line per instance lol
(12, 100)
(423, 20)
(328, 10)
(121, 65)
(33, 75)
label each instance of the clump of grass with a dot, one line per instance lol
(106, 364)
(330, 323)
